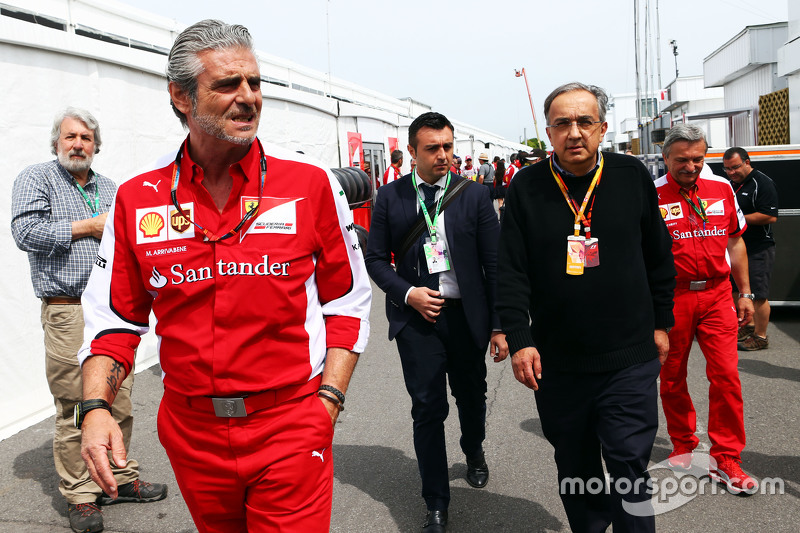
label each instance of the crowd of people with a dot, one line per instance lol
(586, 238)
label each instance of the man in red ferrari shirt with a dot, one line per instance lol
(706, 225)
(393, 172)
(245, 254)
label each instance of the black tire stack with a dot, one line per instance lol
(356, 184)
(357, 187)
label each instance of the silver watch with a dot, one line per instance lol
(746, 295)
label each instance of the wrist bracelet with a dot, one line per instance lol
(331, 398)
(82, 408)
(336, 392)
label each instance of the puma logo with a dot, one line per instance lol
(319, 454)
(148, 184)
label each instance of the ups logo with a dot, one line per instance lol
(178, 222)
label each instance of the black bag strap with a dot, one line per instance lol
(417, 229)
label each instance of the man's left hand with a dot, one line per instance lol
(662, 344)
(498, 347)
(745, 310)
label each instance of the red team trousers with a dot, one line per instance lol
(710, 316)
(271, 471)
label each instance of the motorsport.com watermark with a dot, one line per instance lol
(668, 492)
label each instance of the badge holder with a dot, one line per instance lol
(576, 253)
(592, 255)
(436, 256)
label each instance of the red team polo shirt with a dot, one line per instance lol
(390, 175)
(700, 250)
(253, 312)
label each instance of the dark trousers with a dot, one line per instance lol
(613, 414)
(429, 354)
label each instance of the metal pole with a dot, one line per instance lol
(674, 45)
(636, 57)
(658, 45)
(328, 23)
(522, 73)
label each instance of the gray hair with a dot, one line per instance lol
(599, 94)
(78, 114)
(184, 65)
(683, 132)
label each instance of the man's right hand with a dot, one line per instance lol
(527, 366)
(99, 434)
(426, 301)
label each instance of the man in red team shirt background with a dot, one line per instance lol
(393, 172)
(705, 222)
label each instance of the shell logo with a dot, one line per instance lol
(151, 224)
(664, 212)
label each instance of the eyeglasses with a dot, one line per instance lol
(733, 168)
(564, 125)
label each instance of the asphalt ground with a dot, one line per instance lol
(376, 480)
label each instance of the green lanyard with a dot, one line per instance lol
(431, 224)
(93, 207)
(701, 211)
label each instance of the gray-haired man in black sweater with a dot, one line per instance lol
(585, 299)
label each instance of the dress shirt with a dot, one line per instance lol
(448, 283)
(45, 201)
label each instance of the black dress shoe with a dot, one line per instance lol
(435, 522)
(477, 471)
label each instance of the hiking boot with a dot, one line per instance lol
(753, 343)
(137, 491)
(745, 331)
(680, 459)
(85, 517)
(733, 477)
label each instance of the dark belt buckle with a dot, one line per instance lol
(697, 285)
(229, 407)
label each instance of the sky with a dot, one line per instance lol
(459, 56)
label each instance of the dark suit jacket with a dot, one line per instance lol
(472, 235)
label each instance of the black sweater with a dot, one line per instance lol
(604, 319)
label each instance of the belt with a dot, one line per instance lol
(61, 300)
(246, 404)
(699, 285)
(451, 302)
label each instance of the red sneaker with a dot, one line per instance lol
(680, 459)
(731, 474)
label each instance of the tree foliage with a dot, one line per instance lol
(536, 143)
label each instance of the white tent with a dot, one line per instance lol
(52, 56)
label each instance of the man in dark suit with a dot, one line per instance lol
(439, 302)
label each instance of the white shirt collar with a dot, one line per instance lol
(440, 183)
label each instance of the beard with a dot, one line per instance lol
(75, 166)
(214, 125)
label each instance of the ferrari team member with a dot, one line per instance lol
(513, 166)
(705, 221)
(243, 253)
(393, 172)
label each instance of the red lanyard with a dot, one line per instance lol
(573, 205)
(211, 236)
